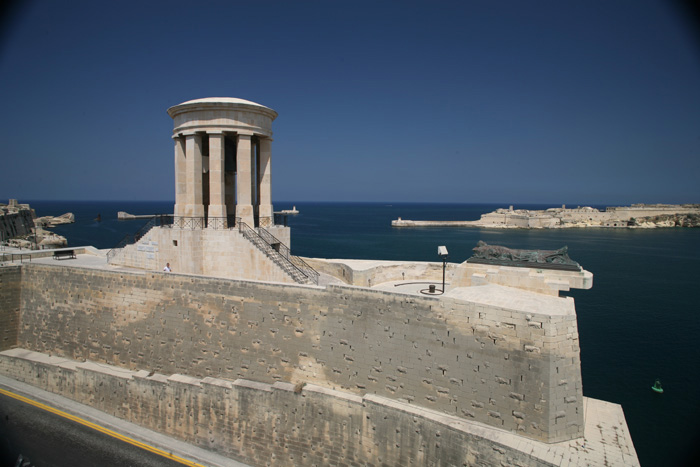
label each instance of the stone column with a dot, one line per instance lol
(217, 190)
(180, 177)
(244, 207)
(229, 179)
(265, 173)
(193, 157)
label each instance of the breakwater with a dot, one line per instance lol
(410, 223)
(125, 216)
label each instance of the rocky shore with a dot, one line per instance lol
(641, 216)
(20, 228)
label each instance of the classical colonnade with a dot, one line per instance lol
(222, 161)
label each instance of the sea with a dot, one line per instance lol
(639, 322)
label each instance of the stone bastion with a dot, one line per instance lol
(279, 374)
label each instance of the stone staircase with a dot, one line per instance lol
(279, 253)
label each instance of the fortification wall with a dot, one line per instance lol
(10, 288)
(220, 253)
(493, 363)
(278, 424)
(15, 224)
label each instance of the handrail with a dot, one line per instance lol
(284, 250)
(279, 253)
(4, 257)
(267, 221)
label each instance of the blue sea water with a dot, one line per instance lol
(638, 322)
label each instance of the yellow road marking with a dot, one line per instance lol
(101, 429)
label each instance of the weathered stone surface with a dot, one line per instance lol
(285, 424)
(263, 424)
(206, 327)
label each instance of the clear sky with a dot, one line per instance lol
(577, 102)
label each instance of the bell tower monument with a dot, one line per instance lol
(222, 160)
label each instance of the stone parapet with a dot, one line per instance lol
(368, 273)
(544, 281)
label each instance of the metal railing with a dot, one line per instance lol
(11, 257)
(266, 222)
(279, 253)
(286, 253)
(197, 223)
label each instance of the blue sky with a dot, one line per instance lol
(577, 102)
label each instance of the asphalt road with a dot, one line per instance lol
(50, 440)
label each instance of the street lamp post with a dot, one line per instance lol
(442, 252)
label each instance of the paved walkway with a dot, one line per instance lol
(416, 287)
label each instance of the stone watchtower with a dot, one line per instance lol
(222, 160)
(223, 223)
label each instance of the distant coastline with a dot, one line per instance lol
(21, 228)
(641, 216)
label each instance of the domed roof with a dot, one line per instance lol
(216, 101)
(226, 100)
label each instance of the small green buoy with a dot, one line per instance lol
(657, 387)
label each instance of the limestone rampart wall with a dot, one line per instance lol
(277, 424)
(489, 363)
(10, 288)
